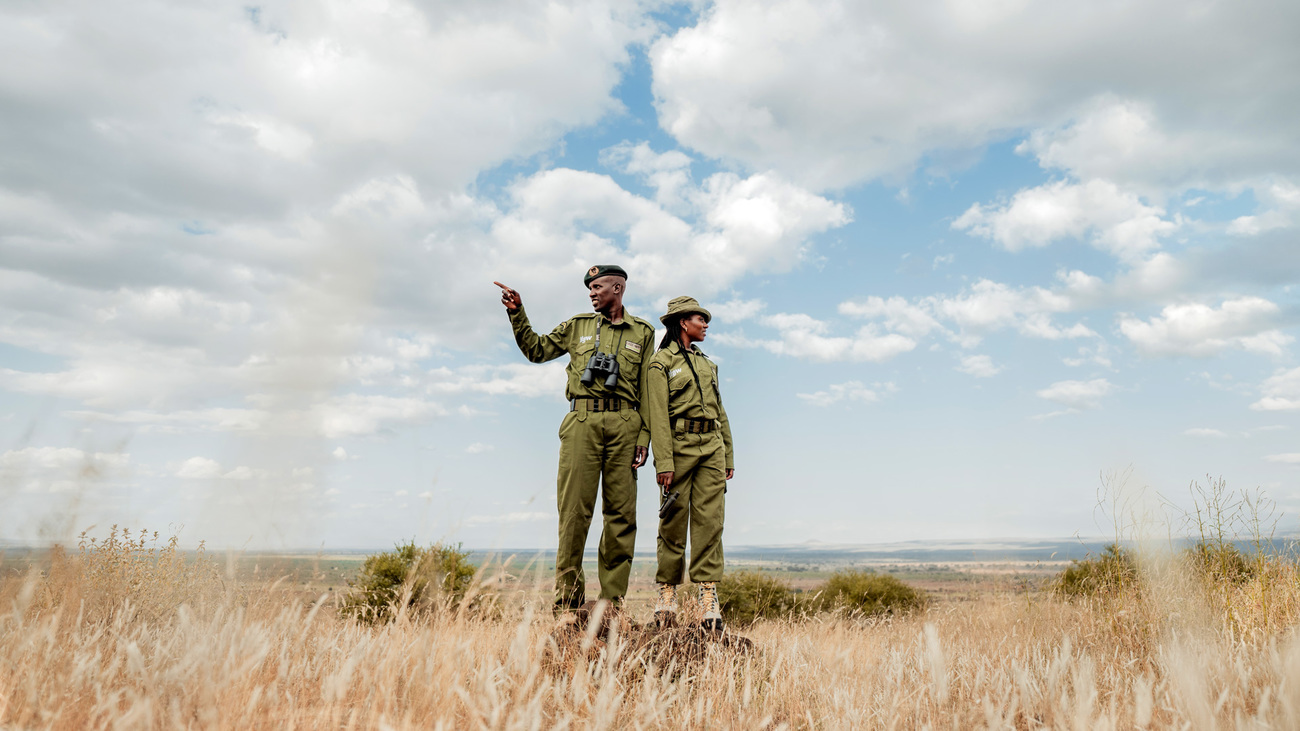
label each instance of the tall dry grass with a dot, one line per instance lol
(85, 646)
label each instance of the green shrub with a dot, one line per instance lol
(1222, 562)
(430, 578)
(747, 596)
(1111, 573)
(860, 593)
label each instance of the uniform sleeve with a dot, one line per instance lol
(539, 348)
(724, 425)
(647, 346)
(656, 412)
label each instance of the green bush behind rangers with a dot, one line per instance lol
(603, 437)
(693, 457)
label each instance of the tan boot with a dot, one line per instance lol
(666, 606)
(712, 608)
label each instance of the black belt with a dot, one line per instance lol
(694, 426)
(600, 404)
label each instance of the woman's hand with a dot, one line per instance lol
(639, 456)
(731, 473)
(665, 480)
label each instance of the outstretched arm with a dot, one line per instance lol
(535, 347)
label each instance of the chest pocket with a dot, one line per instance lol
(708, 375)
(630, 360)
(580, 354)
(678, 382)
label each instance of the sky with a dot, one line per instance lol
(966, 259)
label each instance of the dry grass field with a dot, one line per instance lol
(135, 634)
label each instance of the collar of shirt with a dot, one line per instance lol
(625, 322)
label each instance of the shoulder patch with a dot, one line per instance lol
(660, 366)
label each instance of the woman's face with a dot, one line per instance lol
(695, 327)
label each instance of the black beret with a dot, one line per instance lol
(601, 270)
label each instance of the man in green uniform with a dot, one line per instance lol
(602, 436)
(693, 455)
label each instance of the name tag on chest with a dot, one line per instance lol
(634, 347)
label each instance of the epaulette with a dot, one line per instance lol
(583, 315)
(643, 322)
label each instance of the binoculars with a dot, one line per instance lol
(601, 365)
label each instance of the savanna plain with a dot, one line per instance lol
(129, 631)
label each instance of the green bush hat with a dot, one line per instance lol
(684, 306)
(601, 270)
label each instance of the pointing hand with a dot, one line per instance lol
(509, 297)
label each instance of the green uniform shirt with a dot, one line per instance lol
(682, 384)
(631, 339)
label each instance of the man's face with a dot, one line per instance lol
(695, 327)
(605, 291)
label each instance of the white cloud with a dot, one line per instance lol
(508, 518)
(309, 99)
(1078, 395)
(834, 92)
(802, 336)
(61, 469)
(1282, 209)
(1288, 458)
(244, 472)
(269, 203)
(736, 310)
(668, 173)
(202, 468)
(526, 380)
(1205, 432)
(355, 414)
(984, 307)
(898, 314)
(479, 448)
(1095, 355)
(199, 468)
(989, 305)
(1246, 323)
(175, 422)
(835, 393)
(1170, 146)
(734, 226)
(980, 366)
(1281, 392)
(728, 226)
(1113, 220)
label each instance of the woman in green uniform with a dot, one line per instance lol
(691, 441)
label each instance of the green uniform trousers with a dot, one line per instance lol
(596, 445)
(699, 473)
